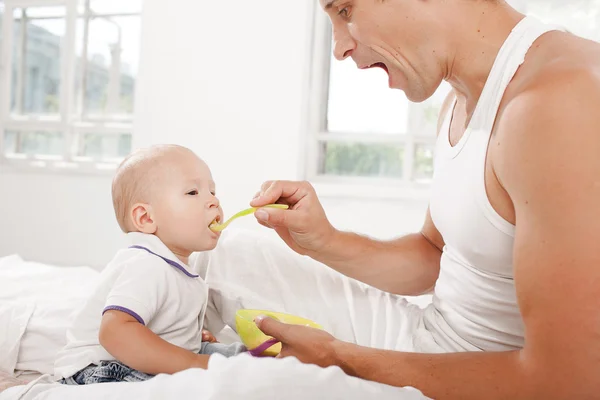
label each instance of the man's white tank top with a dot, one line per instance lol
(475, 303)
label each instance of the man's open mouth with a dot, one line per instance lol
(379, 65)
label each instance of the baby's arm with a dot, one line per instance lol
(139, 348)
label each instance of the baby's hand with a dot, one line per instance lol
(208, 337)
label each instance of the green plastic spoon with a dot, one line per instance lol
(215, 227)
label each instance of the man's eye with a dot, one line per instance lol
(193, 193)
(343, 12)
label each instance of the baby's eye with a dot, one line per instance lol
(193, 193)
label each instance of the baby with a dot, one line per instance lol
(145, 315)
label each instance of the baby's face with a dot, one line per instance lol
(184, 204)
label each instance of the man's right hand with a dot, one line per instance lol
(304, 227)
(408, 266)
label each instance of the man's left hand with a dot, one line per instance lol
(309, 345)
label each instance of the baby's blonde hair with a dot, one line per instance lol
(134, 178)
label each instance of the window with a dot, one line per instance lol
(362, 130)
(68, 70)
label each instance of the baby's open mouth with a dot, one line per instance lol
(215, 221)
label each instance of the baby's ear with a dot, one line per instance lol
(141, 218)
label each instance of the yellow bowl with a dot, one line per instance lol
(252, 337)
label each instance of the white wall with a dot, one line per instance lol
(59, 219)
(226, 78)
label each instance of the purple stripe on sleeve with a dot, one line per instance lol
(126, 311)
(170, 262)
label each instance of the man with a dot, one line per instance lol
(511, 244)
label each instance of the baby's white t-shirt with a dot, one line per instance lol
(148, 282)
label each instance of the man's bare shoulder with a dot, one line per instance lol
(554, 114)
(555, 58)
(560, 79)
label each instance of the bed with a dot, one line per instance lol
(246, 270)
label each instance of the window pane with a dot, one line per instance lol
(426, 114)
(357, 159)
(112, 64)
(98, 145)
(36, 78)
(423, 168)
(2, 7)
(360, 101)
(40, 143)
(10, 142)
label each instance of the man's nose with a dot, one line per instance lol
(343, 44)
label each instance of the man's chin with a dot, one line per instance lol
(397, 83)
(415, 96)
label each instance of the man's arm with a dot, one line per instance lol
(408, 266)
(139, 348)
(550, 143)
(551, 139)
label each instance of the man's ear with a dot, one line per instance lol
(141, 218)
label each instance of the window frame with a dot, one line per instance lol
(318, 133)
(72, 119)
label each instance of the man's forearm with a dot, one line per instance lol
(407, 266)
(461, 376)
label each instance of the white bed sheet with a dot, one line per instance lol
(245, 271)
(14, 318)
(50, 294)
(260, 272)
(242, 377)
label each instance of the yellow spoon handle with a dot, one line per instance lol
(219, 227)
